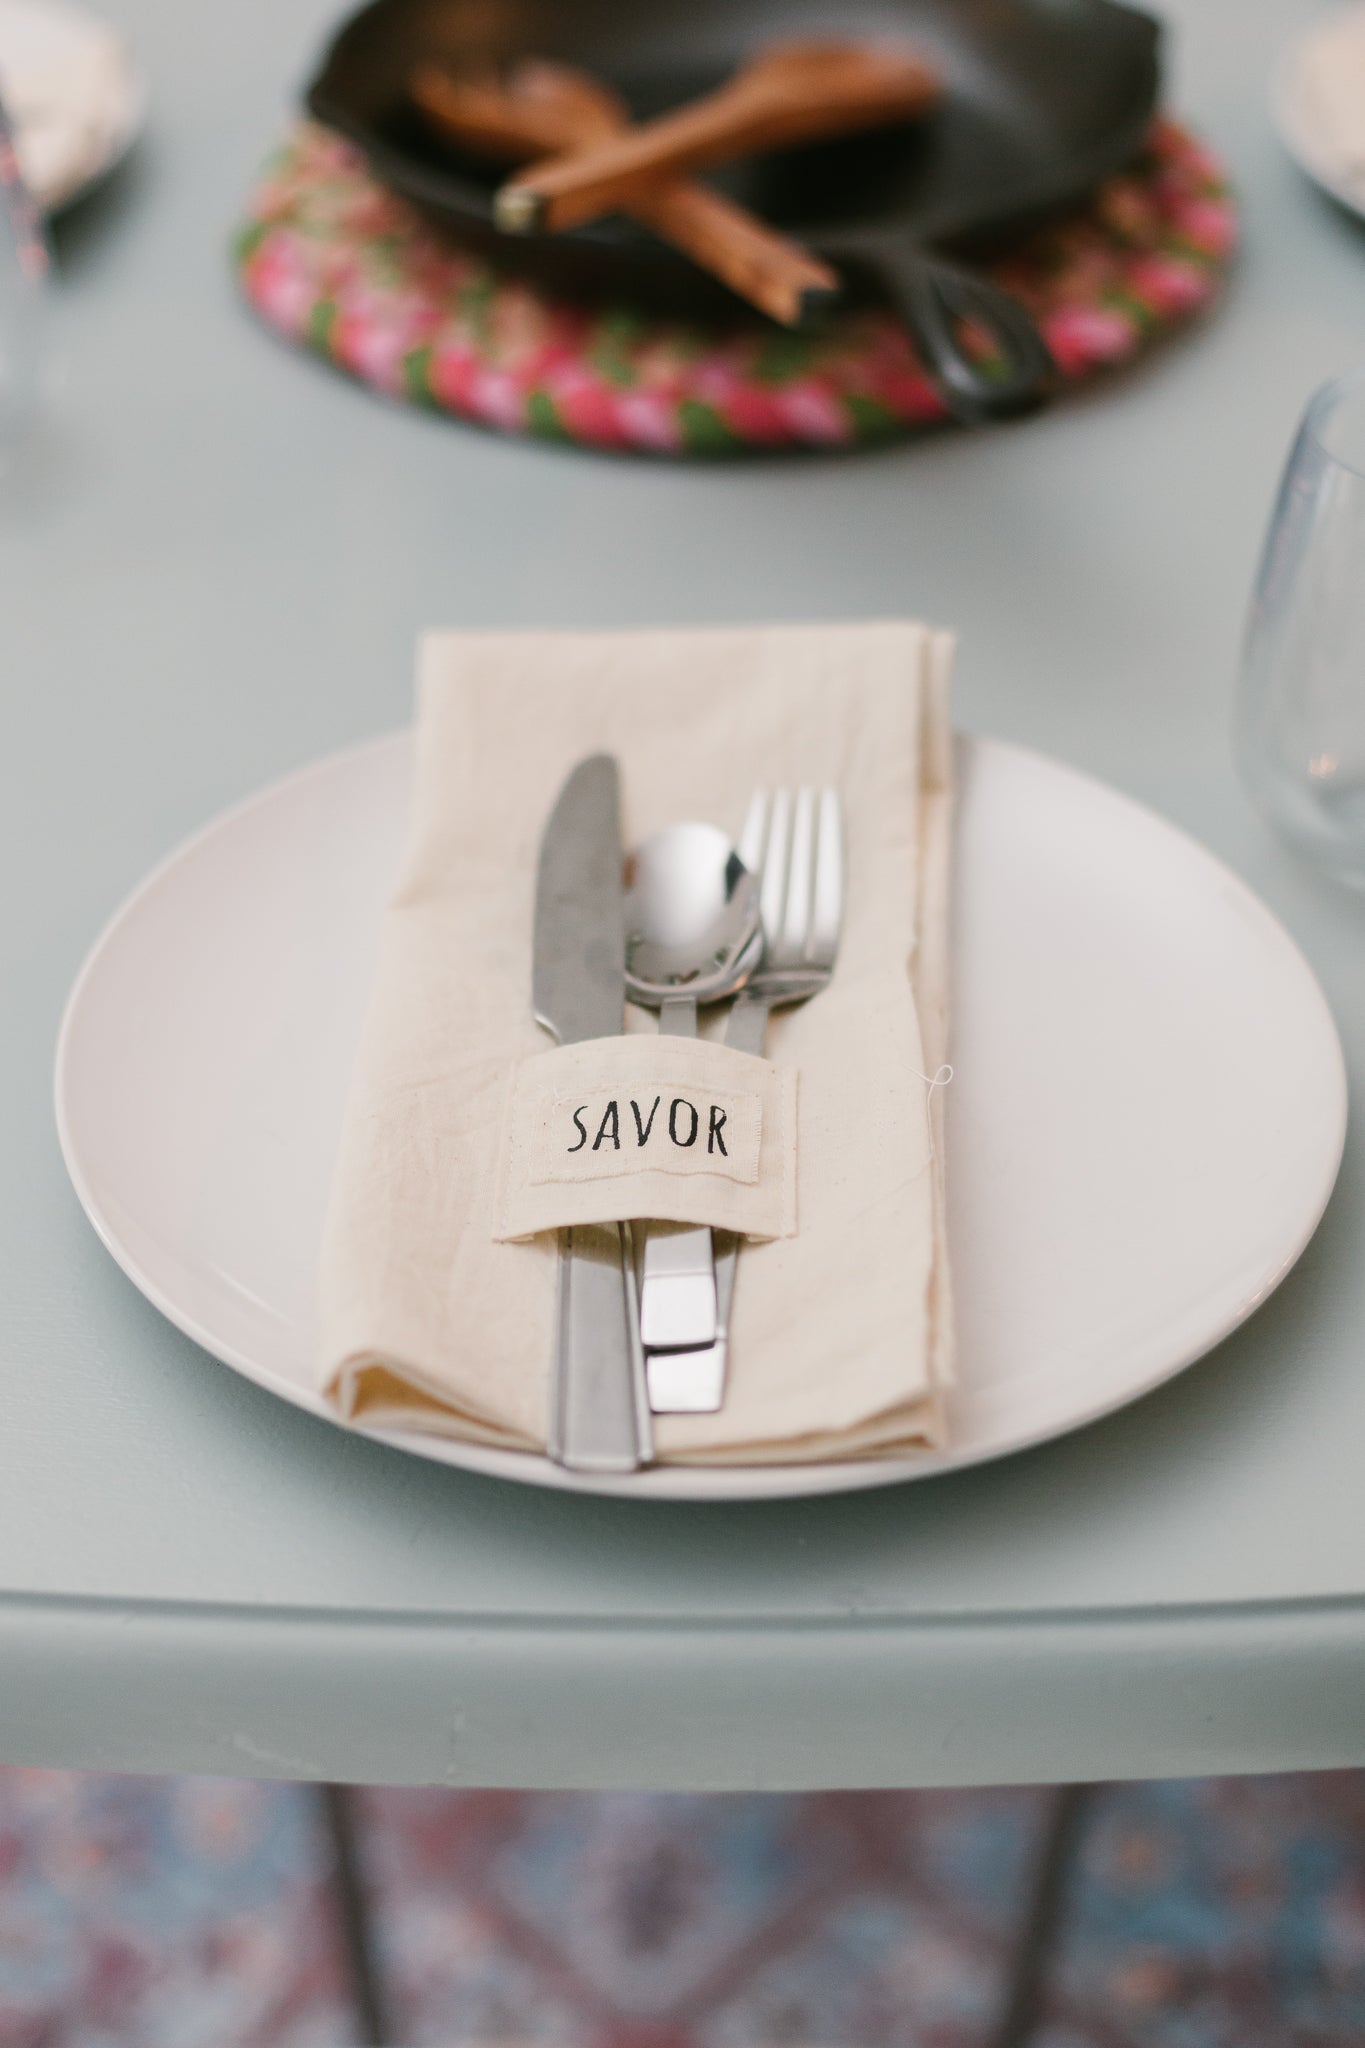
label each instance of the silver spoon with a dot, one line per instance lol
(692, 919)
(694, 935)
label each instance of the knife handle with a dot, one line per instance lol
(600, 1411)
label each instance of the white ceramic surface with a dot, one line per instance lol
(1317, 101)
(1145, 1124)
(73, 93)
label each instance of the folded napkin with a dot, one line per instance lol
(1328, 105)
(65, 81)
(840, 1338)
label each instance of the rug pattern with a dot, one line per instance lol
(193, 1914)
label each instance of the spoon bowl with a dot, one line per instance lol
(693, 925)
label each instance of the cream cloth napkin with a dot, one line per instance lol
(840, 1338)
(67, 83)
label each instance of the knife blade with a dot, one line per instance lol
(599, 1409)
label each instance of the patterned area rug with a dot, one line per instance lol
(193, 1914)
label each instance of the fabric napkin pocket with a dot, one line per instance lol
(679, 1130)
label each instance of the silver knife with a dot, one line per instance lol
(599, 1408)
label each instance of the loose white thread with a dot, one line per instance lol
(938, 1080)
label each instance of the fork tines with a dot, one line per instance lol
(793, 841)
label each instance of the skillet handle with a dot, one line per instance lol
(932, 296)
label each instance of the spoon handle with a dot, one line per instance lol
(693, 1382)
(678, 1282)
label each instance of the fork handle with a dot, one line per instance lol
(745, 1030)
(747, 1025)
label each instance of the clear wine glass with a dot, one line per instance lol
(1300, 720)
(23, 281)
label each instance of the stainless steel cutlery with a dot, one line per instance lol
(760, 926)
(793, 842)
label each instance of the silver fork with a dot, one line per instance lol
(794, 843)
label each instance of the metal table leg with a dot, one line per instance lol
(1044, 1909)
(368, 1997)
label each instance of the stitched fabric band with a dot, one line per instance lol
(680, 1130)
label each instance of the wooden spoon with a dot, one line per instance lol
(791, 92)
(548, 109)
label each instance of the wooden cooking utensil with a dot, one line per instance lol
(790, 92)
(537, 109)
(546, 109)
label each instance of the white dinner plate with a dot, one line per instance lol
(73, 94)
(1317, 101)
(1145, 1124)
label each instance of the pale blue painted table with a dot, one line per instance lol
(212, 569)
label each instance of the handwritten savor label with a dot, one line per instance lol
(684, 1127)
(674, 1129)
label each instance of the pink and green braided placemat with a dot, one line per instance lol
(335, 262)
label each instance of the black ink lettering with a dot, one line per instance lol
(677, 1104)
(578, 1125)
(642, 1131)
(714, 1140)
(611, 1128)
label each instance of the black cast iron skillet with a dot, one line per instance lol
(1044, 99)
